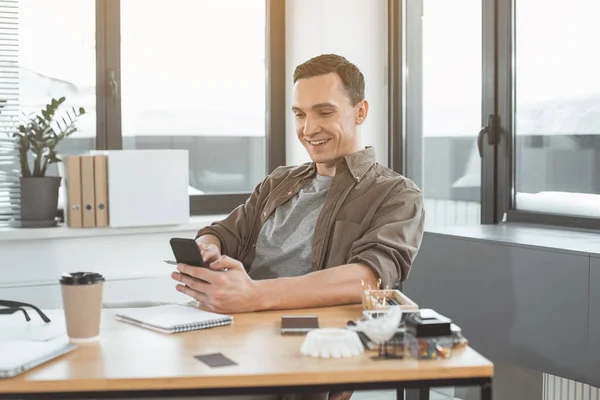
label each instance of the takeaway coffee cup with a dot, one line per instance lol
(82, 302)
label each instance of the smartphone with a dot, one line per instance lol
(186, 251)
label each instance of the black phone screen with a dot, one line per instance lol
(186, 251)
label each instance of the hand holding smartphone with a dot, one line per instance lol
(186, 251)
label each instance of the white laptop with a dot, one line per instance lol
(18, 356)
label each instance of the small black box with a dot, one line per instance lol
(428, 324)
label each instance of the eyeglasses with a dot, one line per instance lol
(16, 306)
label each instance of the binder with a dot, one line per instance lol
(148, 187)
(87, 191)
(73, 185)
(101, 189)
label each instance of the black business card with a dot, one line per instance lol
(215, 360)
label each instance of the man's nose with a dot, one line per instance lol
(311, 127)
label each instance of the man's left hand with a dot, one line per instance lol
(224, 287)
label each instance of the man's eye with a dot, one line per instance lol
(299, 115)
(325, 113)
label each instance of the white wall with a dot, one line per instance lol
(355, 29)
(32, 260)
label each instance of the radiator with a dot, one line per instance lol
(557, 388)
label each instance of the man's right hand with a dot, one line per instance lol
(210, 252)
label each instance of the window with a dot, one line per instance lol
(9, 96)
(502, 116)
(204, 76)
(443, 91)
(197, 83)
(59, 59)
(42, 57)
(556, 91)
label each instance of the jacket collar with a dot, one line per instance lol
(357, 164)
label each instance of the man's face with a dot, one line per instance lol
(326, 120)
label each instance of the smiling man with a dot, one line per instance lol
(309, 234)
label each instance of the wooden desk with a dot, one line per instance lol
(129, 361)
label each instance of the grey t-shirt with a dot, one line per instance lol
(284, 244)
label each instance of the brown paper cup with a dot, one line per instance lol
(82, 302)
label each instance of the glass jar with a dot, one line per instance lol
(429, 348)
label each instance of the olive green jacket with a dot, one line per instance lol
(372, 216)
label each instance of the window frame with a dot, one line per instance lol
(405, 147)
(505, 98)
(396, 111)
(108, 100)
(497, 159)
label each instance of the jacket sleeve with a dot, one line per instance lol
(234, 232)
(393, 239)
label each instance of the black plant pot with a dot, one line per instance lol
(39, 201)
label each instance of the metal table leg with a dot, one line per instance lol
(400, 394)
(486, 390)
(417, 394)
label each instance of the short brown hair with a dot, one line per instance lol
(352, 78)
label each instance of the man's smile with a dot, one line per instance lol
(317, 142)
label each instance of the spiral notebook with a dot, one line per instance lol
(173, 318)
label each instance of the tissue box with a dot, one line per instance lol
(147, 187)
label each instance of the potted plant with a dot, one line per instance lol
(38, 135)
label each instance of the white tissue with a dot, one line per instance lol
(382, 328)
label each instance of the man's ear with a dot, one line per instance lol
(362, 109)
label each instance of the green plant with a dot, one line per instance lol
(41, 133)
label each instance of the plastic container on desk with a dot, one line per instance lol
(428, 335)
(429, 348)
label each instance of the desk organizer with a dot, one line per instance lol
(423, 335)
(374, 301)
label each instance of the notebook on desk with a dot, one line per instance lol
(17, 356)
(173, 318)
